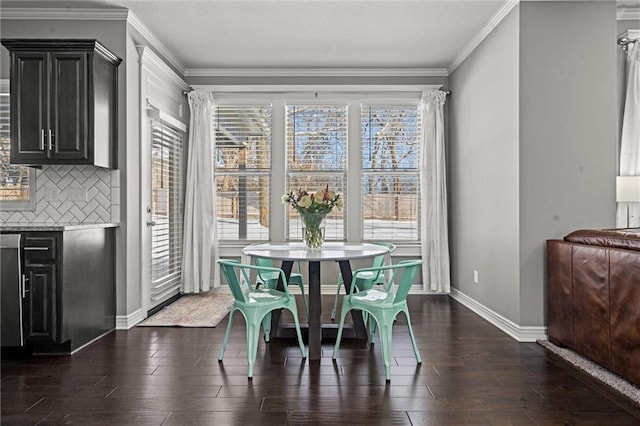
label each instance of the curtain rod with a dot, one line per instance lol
(626, 41)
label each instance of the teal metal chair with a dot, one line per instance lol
(368, 279)
(256, 305)
(382, 306)
(270, 279)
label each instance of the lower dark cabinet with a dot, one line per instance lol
(39, 304)
(68, 296)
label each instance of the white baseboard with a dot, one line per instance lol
(125, 322)
(519, 333)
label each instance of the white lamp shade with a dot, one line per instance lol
(628, 189)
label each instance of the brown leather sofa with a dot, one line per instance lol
(593, 297)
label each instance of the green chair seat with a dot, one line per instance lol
(382, 306)
(256, 305)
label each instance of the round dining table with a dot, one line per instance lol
(339, 252)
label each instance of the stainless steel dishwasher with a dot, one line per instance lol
(13, 290)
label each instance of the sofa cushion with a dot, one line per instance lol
(625, 238)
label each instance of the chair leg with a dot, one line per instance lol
(335, 300)
(304, 301)
(386, 336)
(413, 339)
(345, 310)
(294, 311)
(226, 335)
(252, 344)
(266, 326)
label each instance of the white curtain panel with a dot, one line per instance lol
(433, 226)
(628, 214)
(200, 240)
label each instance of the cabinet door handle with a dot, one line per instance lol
(36, 248)
(50, 137)
(24, 286)
(41, 139)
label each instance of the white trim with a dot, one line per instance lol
(159, 67)
(41, 13)
(631, 34)
(486, 30)
(125, 322)
(627, 14)
(139, 26)
(519, 333)
(92, 341)
(313, 88)
(315, 72)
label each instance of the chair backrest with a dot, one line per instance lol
(403, 272)
(231, 270)
(381, 259)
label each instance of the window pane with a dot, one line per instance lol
(316, 137)
(14, 180)
(390, 180)
(390, 137)
(242, 162)
(242, 204)
(316, 157)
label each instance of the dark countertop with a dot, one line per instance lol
(55, 227)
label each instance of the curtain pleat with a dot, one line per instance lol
(628, 214)
(433, 203)
(200, 240)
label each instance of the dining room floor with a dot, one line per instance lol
(471, 374)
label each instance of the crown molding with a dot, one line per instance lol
(159, 66)
(315, 72)
(66, 13)
(145, 32)
(628, 13)
(112, 14)
(484, 32)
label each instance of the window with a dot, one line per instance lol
(365, 146)
(16, 182)
(316, 153)
(242, 171)
(390, 176)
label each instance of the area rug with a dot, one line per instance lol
(193, 310)
(612, 380)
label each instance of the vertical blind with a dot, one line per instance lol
(391, 138)
(242, 171)
(167, 182)
(316, 157)
(14, 180)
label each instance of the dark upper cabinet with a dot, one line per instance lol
(63, 102)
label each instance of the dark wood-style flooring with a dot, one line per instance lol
(472, 374)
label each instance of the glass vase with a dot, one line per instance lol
(313, 229)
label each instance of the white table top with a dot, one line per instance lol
(329, 251)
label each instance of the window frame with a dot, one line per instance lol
(30, 204)
(354, 96)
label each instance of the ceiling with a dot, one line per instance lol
(308, 34)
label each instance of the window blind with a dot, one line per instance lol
(316, 157)
(242, 171)
(167, 181)
(390, 177)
